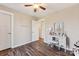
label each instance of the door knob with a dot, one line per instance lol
(9, 33)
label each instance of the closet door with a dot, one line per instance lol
(5, 32)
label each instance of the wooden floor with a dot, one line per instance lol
(37, 48)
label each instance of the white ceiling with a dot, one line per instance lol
(50, 8)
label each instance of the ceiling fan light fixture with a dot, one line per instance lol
(36, 6)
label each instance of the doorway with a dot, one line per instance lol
(38, 30)
(42, 29)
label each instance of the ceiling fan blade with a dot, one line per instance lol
(42, 7)
(35, 10)
(27, 5)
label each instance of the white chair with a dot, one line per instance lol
(76, 49)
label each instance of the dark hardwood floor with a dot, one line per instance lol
(37, 48)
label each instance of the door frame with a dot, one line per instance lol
(12, 26)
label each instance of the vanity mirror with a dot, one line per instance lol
(57, 29)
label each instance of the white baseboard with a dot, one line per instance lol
(21, 44)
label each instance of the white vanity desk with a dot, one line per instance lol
(56, 35)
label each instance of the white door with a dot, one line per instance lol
(35, 30)
(4, 31)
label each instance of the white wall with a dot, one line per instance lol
(22, 27)
(70, 16)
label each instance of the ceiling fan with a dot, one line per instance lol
(35, 6)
